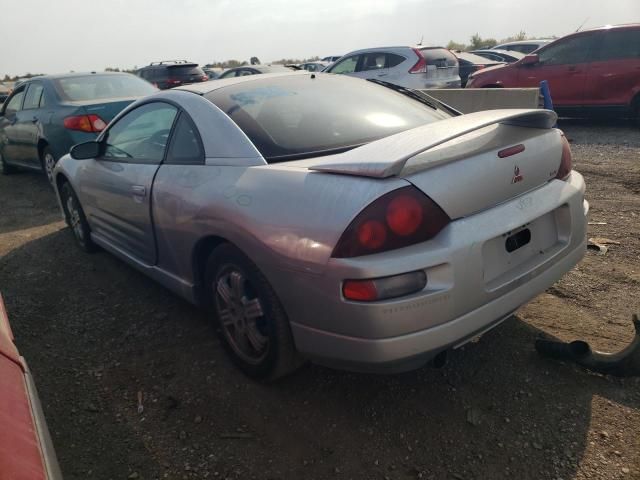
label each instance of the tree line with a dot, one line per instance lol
(476, 42)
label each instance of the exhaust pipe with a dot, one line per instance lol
(440, 360)
(625, 363)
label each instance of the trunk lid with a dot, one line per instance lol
(106, 109)
(462, 163)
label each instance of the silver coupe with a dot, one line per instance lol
(354, 223)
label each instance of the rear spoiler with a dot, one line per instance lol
(387, 157)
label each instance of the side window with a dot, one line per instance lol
(34, 93)
(373, 61)
(185, 147)
(619, 44)
(141, 135)
(567, 52)
(348, 65)
(227, 74)
(394, 60)
(244, 72)
(15, 102)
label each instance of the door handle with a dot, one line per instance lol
(139, 190)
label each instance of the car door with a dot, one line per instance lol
(564, 64)
(10, 138)
(614, 74)
(29, 123)
(115, 189)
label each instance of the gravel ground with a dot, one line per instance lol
(98, 335)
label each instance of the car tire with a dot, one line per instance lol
(249, 317)
(75, 218)
(6, 168)
(48, 163)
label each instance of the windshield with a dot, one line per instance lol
(95, 87)
(300, 116)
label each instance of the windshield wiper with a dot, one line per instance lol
(418, 95)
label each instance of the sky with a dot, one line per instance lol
(55, 36)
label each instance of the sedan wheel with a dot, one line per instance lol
(252, 323)
(49, 163)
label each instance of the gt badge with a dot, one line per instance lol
(516, 175)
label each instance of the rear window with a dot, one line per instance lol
(440, 57)
(299, 116)
(185, 71)
(475, 59)
(95, 87)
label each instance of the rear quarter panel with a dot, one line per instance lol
(284, 219)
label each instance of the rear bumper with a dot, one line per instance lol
(406, 352)
(472, 284)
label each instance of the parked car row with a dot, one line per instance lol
(344, 198)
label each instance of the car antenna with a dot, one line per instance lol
(582, 24)
(421, 39)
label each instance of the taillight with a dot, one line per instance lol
(173, 81)
(398, 219)
(566, 163)
(85, 123)
(421, 64)
(204, 78)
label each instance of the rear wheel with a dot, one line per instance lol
(48, 163)
(252, 323)
(74, 216)
(6, 168)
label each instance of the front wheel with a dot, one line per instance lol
(252, 323)
(74, 216)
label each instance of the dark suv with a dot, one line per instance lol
(172, 73)
(591, 72)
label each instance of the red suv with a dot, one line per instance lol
(591, 72)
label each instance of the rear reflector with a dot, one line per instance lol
(421, 64)
(507, 152)
(371, 290)
(85, 123)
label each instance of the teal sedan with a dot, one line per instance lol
(46, 115)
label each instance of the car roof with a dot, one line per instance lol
(394, 47)
(610, 27)
(525, 42)
(56, 76)
(473, 58)
(202, 88)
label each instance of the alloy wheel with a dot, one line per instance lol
(241, 315)
(74, 218)
(49, 165)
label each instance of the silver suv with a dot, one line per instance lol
(411, 67)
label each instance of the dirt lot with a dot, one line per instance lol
(95, 333)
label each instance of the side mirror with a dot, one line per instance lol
(86, 150)
(530, 59)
